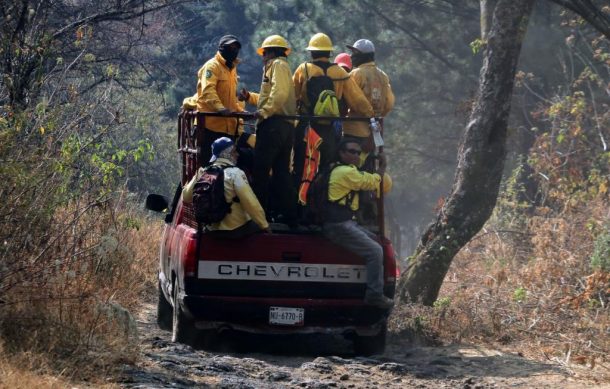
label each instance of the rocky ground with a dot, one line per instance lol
(235, 360)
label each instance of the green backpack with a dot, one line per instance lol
(327, 104)
(321, 92)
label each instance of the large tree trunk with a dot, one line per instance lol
(480, 161)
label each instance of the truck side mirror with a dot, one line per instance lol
(156, 202)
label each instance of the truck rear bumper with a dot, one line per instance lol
(326, 316)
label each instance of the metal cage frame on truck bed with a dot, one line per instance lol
(191, 127)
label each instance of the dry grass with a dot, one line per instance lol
(28, 371)
(67, 317)
(531, 290)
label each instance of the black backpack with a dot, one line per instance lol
(317, 196)
(209, 201)
(318, 84)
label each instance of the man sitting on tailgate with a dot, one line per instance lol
(245, 215)
(340, 226)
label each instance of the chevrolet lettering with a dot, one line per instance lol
(218, 270)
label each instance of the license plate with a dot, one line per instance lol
(286, 316)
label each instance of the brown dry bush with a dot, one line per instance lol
(531, 289)
(70, 307)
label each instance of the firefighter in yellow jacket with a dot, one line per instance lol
(344, 187)
(320, 48)
(246, 216)
(376, 87)
(274, 135)
(217, 92)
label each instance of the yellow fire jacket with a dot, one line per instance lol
(276, 95)
(347, 178)
(236, 185)
(216, 90)
(345, 87)
(376, 87)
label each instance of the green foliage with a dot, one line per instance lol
(512, 204)
(132, 223)
(600, 259)
(520, 294)
(477, 45)
(419, 323)
(442, 303)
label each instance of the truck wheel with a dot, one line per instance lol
(183, 330)
(164, 311)
(371, 345)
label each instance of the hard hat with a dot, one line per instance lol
(364, 46)
(274, 41)
(219, 146)
(344, 59)
(320, 42)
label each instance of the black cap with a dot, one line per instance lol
(227, 40)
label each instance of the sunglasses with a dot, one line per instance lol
(353, 151)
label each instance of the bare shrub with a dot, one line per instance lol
(72, 303)
(75, 251)
(551, 302)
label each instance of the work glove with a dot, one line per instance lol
(244, 95)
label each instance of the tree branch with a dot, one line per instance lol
(114, 15)
(589, 12)
(413, 36)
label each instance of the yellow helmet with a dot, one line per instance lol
(274, 41)
(320, 42)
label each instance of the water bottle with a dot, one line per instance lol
(376, 129)
(338, 129)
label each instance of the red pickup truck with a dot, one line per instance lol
(278, 283)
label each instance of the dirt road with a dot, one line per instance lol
(236, 360)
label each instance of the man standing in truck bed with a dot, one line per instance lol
(376, 87)
(217, 92)
(320, 48)
(274, 134)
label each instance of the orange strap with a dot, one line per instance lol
(311, 163)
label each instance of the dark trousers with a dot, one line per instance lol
(209, 137)
(274, 138)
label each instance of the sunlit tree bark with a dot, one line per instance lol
(481, 157)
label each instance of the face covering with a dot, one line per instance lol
(357, 59)
(229, 54)
(360, 58)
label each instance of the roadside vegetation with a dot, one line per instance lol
(76, 148)
(536, 279)
(71, 317)
(87, 110)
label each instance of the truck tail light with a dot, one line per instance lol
(190, 259)
(391, 271)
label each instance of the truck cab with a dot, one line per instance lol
(285, 282)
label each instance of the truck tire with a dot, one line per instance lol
(164, 311)
(183, 330)
(371, 345)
